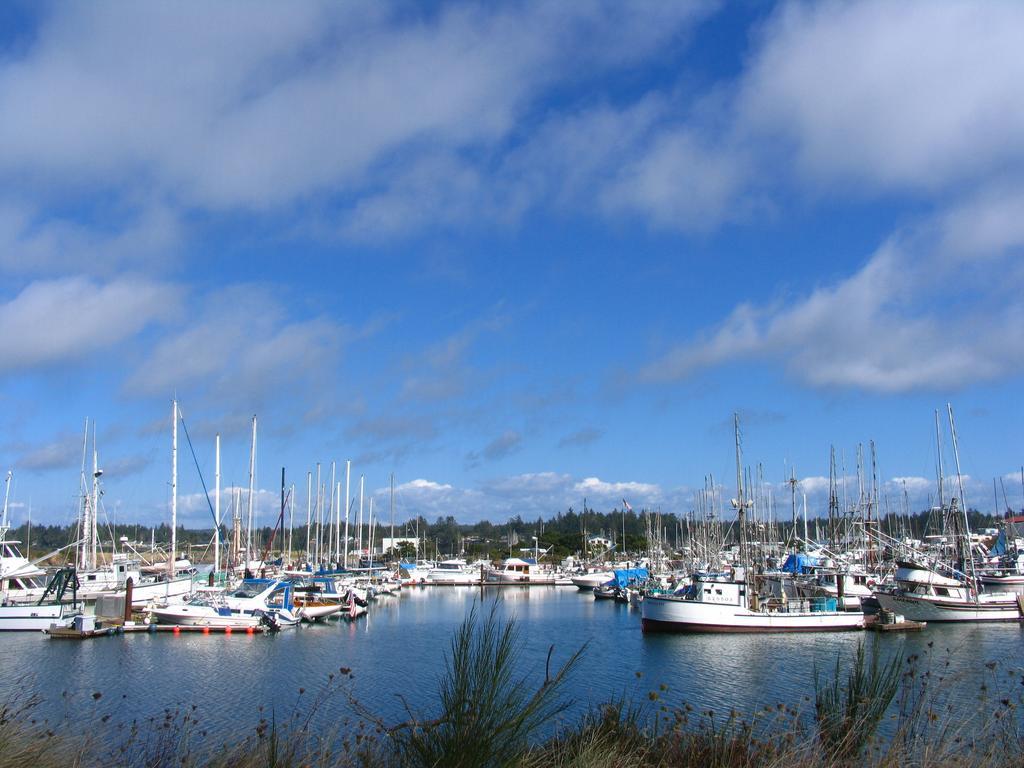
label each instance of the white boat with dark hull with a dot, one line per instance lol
(923, 594)
(713, 604)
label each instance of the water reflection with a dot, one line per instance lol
(399, 648)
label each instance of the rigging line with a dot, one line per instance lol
(196, 460)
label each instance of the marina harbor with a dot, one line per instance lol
(538, 384)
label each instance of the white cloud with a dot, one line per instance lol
(680, 181)
(887, 327)
(913, 485)
(55, 321)
(599, 488)
(420, 485)
(530, 483)
(814, 485)
(208, 112)
(917, 95)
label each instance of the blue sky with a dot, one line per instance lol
(516, 254)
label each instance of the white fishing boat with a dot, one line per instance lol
(924, 594)
(20, 579)
(515, 570)
(731, 603)
(714, 604)
(50, 609)
(112, 579)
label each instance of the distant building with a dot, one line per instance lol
(599, 542)
(387, 542)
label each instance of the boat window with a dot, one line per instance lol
(248, 590)
(942, 592)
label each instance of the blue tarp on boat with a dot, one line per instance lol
(999, 548)
(628, 577)
(798, 562)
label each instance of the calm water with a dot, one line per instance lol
(399, 648)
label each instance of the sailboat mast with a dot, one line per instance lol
(309, 512)
(332, 537)
(319, 513)
(84, 528)
(7, 497)
(359, 530)
(174, 489)
(216, 506)
(740, 504)
(369, 534)
(252, 481)
(291, 525)
(348, 504)
(938, 449)
(966, 554)
(392, 505)
(95, 494)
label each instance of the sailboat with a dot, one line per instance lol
(731, 603)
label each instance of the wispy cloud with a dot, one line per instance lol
(67, 319)
(582, 437)
(241, 343)
(885, 328)
(503, 445)
(64, 452)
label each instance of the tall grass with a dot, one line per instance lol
(848, 714)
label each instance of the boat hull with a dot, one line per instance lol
(315, 612)
(184, 616)
(917, 608)
(28, 618)
(591, 580)
(667, 614)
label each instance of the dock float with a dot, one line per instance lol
(73, 633)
